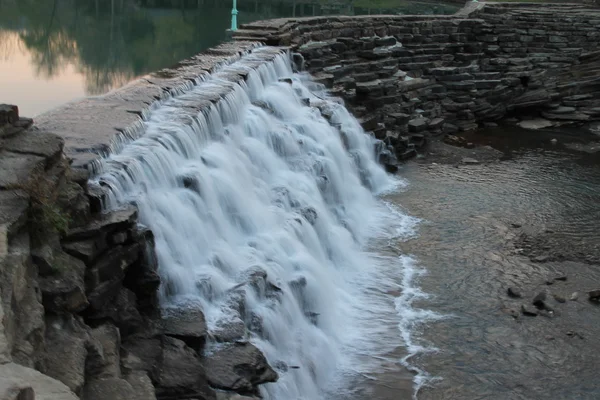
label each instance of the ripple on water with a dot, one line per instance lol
(466, 244)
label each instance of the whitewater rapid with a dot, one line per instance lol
(261, 183)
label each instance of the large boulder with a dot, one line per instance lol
(104, 352)
(142, 385)
(187, 324)
(174, 368)
(109, 388)
(20, 380)
(66, 351)
(181, 372)
(240, 368)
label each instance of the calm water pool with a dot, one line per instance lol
(54, 51)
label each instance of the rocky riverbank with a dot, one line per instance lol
(79, 310)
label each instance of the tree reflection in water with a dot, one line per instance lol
(112, 41)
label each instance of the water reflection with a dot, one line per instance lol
(97, 45)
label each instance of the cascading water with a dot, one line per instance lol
(262, 210)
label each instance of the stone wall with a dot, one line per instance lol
(445, 74)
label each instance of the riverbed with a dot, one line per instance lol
(531, 222)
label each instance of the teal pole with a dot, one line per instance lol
(234, 13)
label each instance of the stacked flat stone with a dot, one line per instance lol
(446, 74)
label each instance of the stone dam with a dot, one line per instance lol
(88, 309)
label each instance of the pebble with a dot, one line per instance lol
(514, 292)
(575, 334)
(529, 311)
(574, 296)
(539, 299)
(540, 259)
(561, 277)
(559, 298)
(553, 141)
(469, 161)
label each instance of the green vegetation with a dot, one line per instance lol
(45, 213)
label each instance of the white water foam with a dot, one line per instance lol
(240, 190)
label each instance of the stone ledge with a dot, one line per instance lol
(90, 126)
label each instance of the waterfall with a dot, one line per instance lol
(262, 184)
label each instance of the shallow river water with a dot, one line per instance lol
(468, 242)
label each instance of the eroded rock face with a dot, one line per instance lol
(63, 287)
(109, 388)
(240, 368)
(66, 351)
(181, 372)
(23, 310)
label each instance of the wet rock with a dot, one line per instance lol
(575, 334)
(559, 298)
(545, 306)
(514, 292)
(540, 259)
(186, 324)
(539, 299)
(234, 396)
(298, 283)
(229, 330)
(574, 296)
(538, 123)
(455, 140)
(310, 214)
(469, 161)
(239, 368)
(529, 311)
(594, 294)
(391, 168)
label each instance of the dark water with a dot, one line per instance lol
(53, 51)
(467, 244)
